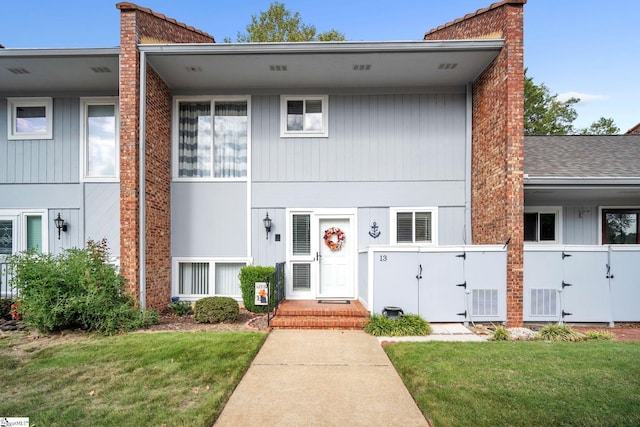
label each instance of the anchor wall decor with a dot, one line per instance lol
(375, 233)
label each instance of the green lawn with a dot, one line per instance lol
(139, 379)
(523, 383)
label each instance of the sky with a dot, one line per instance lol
(589, 49)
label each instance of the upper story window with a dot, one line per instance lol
(304, 116)
(30, 118)
(99, 136)
(414, 225)
(542, 224)
(620, 226)
(211, 138)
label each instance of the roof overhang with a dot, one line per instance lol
(38, 71)
(321, 65)
(566, 190)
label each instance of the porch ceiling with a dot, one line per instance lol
(318, 65)
(569, 194)
(42, 71)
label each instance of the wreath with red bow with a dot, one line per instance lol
(334, 244)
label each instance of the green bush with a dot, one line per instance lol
(500, 333)
(598, 336)
(75, 289)
(5, 308)
(248, 277)
(553, 332)
(406, 325)
(216, 310)
(181, 308)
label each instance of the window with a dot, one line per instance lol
(304, 116)
(212, 139)
(414, 226)
(99, 136)
(30, 118)
(198, 278)
(23, 230)
(620, 226)
(542, 225)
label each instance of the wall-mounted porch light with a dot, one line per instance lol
(60, 225)
(267, 224)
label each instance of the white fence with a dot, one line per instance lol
(590, 284)
(442, 284)
(582, 284)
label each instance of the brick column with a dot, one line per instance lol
(139, 25)
(497, 186)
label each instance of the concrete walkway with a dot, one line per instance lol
(321, 378)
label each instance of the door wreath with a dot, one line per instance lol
(334, 245)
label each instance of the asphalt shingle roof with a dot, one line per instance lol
(582, 156)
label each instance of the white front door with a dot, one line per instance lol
(321, 254)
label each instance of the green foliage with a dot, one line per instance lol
(181, 308)
(279, 24)
(545, 114)
(500, 333)
(249, 275)
(553, 332)
(604, 126)
(598, 336)
(75, 289)
(216, 310)
(406, 325)
(5, 308)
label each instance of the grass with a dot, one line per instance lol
(128, 380)
(525, 384)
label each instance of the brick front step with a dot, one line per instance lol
(318, 322)
(315, 315)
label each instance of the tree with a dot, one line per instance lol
(604, 126)
(545, 114)
(281, 25)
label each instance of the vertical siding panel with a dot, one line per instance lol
(74, 138)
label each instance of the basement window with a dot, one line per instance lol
(30, 118)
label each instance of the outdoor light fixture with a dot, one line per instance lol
(60, 225)
(267, 224)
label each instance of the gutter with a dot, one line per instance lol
(325, 47)
(60, 53)
(581, 181)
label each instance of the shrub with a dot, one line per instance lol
(75, 289)
(555, 332)
(5, 308)
(248, 277)
(406, 325)
(598, 335)
(181, 308)
(216, 310)
(500, 333)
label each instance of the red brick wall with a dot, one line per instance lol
(136, 25)
(497, 199)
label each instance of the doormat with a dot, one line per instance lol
(332, 301)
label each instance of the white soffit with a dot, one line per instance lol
(321, 64)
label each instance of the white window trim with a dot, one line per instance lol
(557, 210)
(175, 155)
(19, 217)
(84, 104)
(175, 261)
(393, 226)
(600, 209)
(14, 103)
(284, 133)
